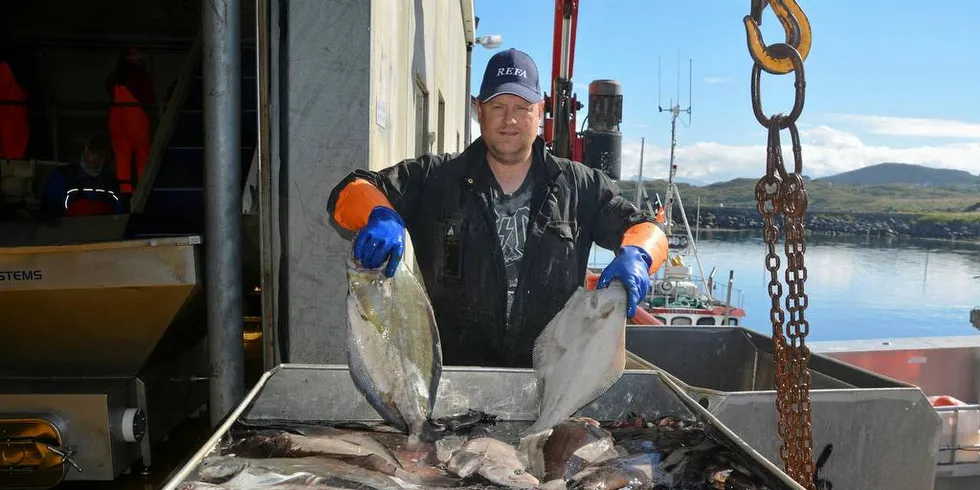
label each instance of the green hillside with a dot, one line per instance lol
(902, 173)
(825, 195)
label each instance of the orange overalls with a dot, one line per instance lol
(13, 118)
(129, 129)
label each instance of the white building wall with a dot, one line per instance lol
(418, 88)
(416, 47)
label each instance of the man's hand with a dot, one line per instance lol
(383, 237)
(631, 267)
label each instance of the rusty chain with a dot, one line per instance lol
(782, 194)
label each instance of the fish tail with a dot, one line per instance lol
(540, 425)
(415, 441)
(430, 432)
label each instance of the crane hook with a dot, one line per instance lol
(795, 24)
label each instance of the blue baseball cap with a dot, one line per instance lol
(511, 72)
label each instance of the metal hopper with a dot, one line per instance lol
(306, 393)
(101, 353)
(870, 424)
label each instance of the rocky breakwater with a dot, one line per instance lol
(882, 224)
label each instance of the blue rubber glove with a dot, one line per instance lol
(631, 267)
(383, 237)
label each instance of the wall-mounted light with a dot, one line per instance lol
(490, 41)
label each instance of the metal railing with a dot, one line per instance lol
(703, 288)
(959, 442)
(702, 284)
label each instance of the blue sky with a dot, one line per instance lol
(886, 81)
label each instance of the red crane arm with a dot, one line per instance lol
(560, 108)
(564, 9)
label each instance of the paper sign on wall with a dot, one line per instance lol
(381, 114)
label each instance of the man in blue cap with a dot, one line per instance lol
(502, 231)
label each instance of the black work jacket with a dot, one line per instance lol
(445, 201)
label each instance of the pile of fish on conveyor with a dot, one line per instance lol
(395, 361)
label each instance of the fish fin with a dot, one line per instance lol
(409, 279)
(414, 442)
(464, 422)
(436, 373)
(431, 432)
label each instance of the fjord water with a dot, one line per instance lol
(858, 287)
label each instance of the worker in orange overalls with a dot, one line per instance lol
(14, 125)
(129, 124)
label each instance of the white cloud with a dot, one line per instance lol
(913, 126)
(716, 80)
(826, 151)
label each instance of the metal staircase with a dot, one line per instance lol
(170, 198)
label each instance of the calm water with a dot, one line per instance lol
(859, 287)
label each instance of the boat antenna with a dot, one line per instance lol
(675, 111)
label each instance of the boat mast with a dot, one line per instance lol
(638, 199)
(672, 192)
(675, 112)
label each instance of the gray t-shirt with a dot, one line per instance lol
(512, 213)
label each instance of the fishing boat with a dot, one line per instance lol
(677, 296)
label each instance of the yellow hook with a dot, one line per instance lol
(795, 24)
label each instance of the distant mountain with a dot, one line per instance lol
(631, 180)
(824, 195)
(694, 182)
(901, 173)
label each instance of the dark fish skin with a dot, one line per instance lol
(668, 453)
(665, 436)
(691, 458)
(714, 470)
(567, 438)
(727, 478)
(264, 444)
(464, 422)
(632, 472)
(631, 420)
(383, 452)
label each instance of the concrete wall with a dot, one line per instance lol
(352, 71)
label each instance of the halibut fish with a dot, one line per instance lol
(580, 353)
(393, 347)
(494, 460)
(317, 470)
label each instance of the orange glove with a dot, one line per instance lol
(356, 202)
(650, 238)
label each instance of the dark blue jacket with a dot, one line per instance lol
(447, 207)
(71, 182)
